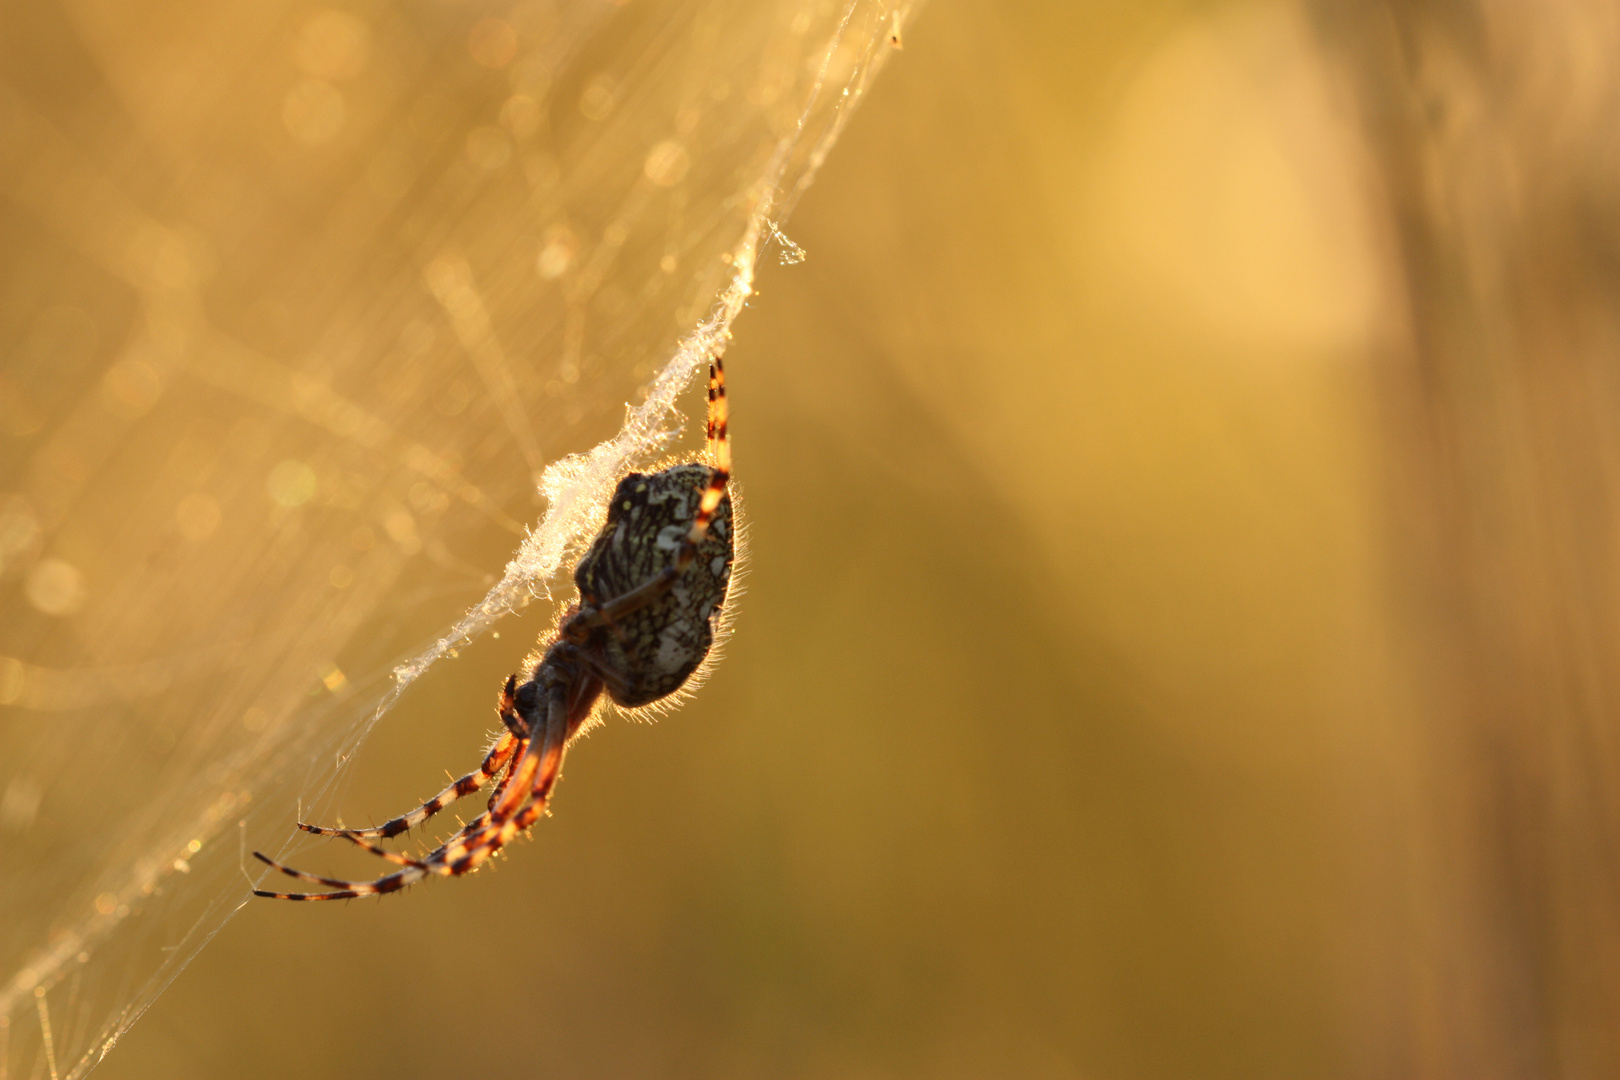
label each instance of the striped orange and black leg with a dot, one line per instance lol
(415, 870)
(719, 448)
(497, 834)
(533, 773)
(467, 830)
(344, 890)
(503, 751)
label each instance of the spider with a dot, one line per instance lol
(651, 588)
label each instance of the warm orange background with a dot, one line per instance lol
(1178, 634)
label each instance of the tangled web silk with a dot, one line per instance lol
(305, 319)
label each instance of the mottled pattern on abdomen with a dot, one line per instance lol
(658, 647)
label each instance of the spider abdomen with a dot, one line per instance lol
(652, 651)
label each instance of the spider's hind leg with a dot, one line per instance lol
(719, 437)
(507, 821)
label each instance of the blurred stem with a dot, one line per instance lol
(1488, 126)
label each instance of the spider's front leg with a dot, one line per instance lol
(508, 708)
(509, 820)
(468, 829)
(517, 734)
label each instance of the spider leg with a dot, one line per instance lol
(467, 830)
(345, 889)
(719, 441)
(508, 710)
(381, 852)
(461, 856)
(719, 437)
(520, 823)
(498, 755)
(415, 870)
(469, 854)
(392, 882)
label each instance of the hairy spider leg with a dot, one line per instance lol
(719, 440)
(524, 820)
(498, 833)
(719, 446)
(427, 860)
(394, 857)
(507, 707)
(415, 870)
(498, 755)
(349, 889)
(458, 858)
(466, 830)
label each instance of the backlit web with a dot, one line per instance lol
(296, 305)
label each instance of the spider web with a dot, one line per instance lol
(299, 307)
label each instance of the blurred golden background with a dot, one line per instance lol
(1179, 627)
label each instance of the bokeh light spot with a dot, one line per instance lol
(427, 499)
(556, 252)
(130, 387)
(333, 45)
(55, 587)
(667, 164)
(333, 679)
(19, 531)
(401, 527)
(292, 483)
(521, 115)
(598, 98)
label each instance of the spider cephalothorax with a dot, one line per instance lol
(651, 588)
